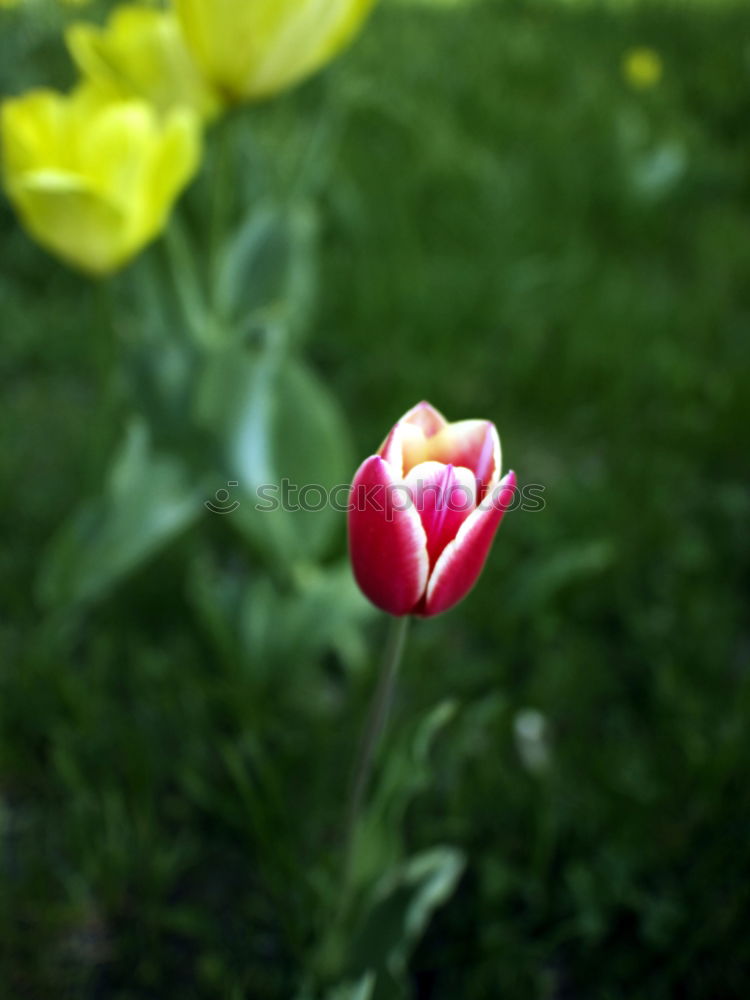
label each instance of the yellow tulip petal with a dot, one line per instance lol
(254, 48)
(33, 127)
(94, 180)
(73, 222)
(141, 53)
(175, 159)
(305, 39)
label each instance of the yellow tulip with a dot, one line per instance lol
(141, 53)
(94, 180)
(254, 48)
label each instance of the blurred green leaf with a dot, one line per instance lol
(362, 989)
(356, 989)
(386, 904)
(284, 439)
(268, 270)
(406, 771)
(148, 501)
(322, 610)
(400, 909)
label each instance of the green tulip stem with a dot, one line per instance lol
(376, 723)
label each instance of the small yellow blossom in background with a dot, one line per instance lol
(94, 180)
(141, 53)
(642, 68)
(254, 48)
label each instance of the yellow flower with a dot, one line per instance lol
(94, 180)
(141, 53)
(254, 48)
(642, 68)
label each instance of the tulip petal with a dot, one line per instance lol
(303, 36)
(444, 496)
(406, 445)
(425, 415)
(77, 224)
(33, 130)
(141, 53)
(461, 562)
(387, 542)
(472, 443)
(252, 50)
(176, 158)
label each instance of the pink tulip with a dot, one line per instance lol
(423, 512)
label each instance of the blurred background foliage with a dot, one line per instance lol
(509, 226)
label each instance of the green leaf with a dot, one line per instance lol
(147, 502)
(400, 910)
(393, 899)
(406, 772)
(283, 438)
(362, 989)
(354, 989)
(322, 610)
(268, 269)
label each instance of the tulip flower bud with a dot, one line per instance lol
(94, 180)
(424, 510)
(251, 49)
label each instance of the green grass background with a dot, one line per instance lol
(510, 231)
